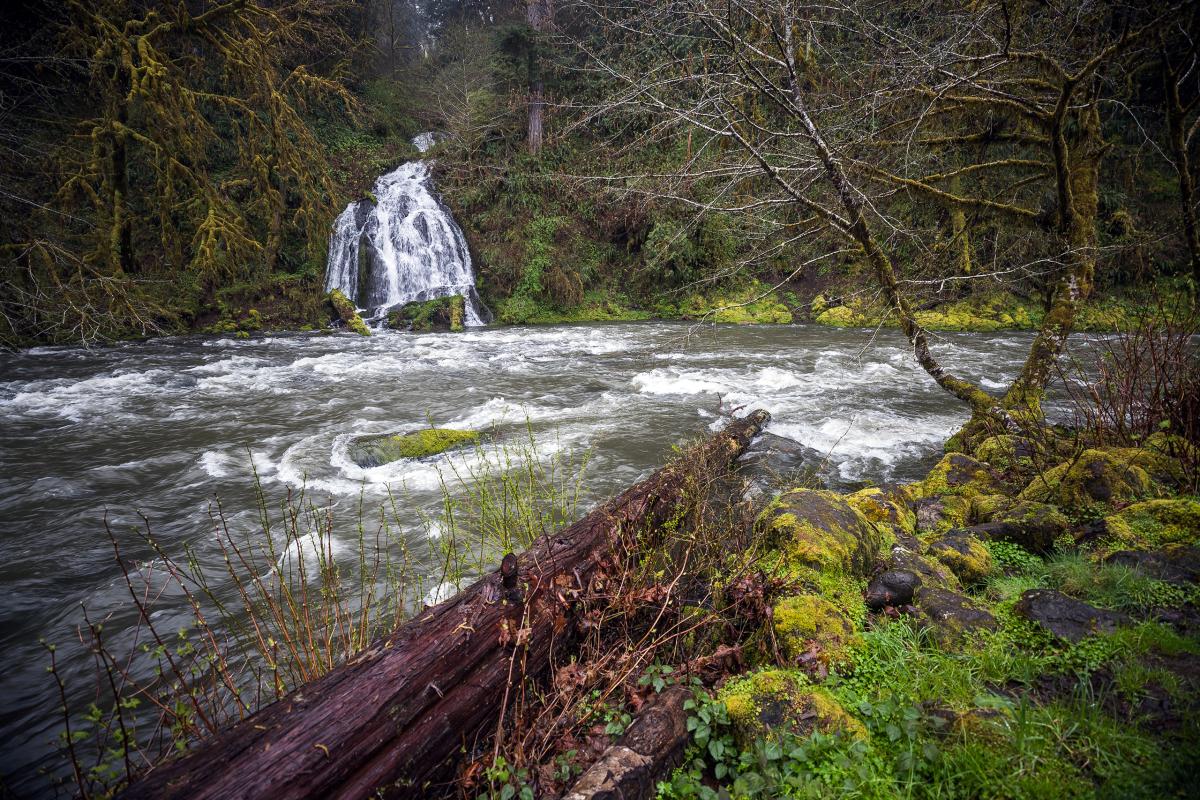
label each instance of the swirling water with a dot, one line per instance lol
(159, 428)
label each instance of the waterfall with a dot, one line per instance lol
(402, 246)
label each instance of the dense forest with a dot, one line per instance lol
(171, 166)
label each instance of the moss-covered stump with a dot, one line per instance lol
(1066, 617)
(949, 617)
(960, 475)
(1034, 526)
(347, 313)
(1090, 484)
(820, 530)
(964, 555)
(811, 629)
(771, 702)
(440, 314)
(376, 450)
(1152, 524)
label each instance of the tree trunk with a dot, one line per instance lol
(393, 720)
(1179, 154)
(649, 750)
(535, 15)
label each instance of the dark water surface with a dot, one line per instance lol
(161, 427)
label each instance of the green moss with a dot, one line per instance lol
(882, 508)
(841, 317)
(959, 475)
(774, 701)
(347, 313)
(965, 556)
(418, 444)
(441, 313)
(751, 304)
(804, 620)
(1153, 524)
(819, 529)
(1090, 484)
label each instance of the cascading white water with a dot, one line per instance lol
(402, 247)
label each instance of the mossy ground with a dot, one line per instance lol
(1010, 711)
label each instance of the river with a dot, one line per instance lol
(162, 427)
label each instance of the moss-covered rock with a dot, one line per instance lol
(1153, 524)
(802, 621)
(960, 475)
(931, 572)
(347, 313)
(820, 530)
(841, 317)
(964, 555)
(773, 701)
(1009, 453)
(950, 617)
(1090, 484)
(885, 508)
(942, 514)
(1035, 526)
(439, 314)
(375, 450)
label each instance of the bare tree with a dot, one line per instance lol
(849, 115)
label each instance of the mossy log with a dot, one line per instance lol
(393, 720)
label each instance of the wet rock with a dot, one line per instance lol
(894, 587)
(1090, 484)
(930, 571)
(886, 505)
(373, 451)
(439, 314)
(347, 313)
(1176, 564)
(950, 617)
(941, 513)
(964, 555)
(1034, 526)
(959, 474)
(809, 625)
(1066, 617)
(771, 459)
(819, 529)
(773, 701)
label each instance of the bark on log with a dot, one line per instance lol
(652, 747)
(395, 716)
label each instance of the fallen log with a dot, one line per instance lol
(651, 748)
(393, 719)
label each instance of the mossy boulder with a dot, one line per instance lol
(1090, 484)
(771, 702)
(942, 513)
(820, 530)
(1007, 452)
(960, 475)
(807, 622)
(1035, 526)
(1154, 523)
(931, 572)
(348, 313)
(376, 450)
(439, 314)
(949, 617)
(841, 317)
(884, 507)
(964, 555)
(1176, 563)
(892, 587)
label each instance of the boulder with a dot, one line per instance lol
(1155, 523)
(819, 529)
(439, 314)
(372, 451)
(770, 702)
(1066, 617)
(1034, 526)
(931, 571)
(886, 506)
(807, 623)
(1174, 564)
(964, 555)
(1007, 452)
(949, 617)
(1090, 484)
(770, 458)
(942, 513)
(893, 587)
(961, 475)
(348, 313)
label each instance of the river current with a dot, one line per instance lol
(160, 428)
